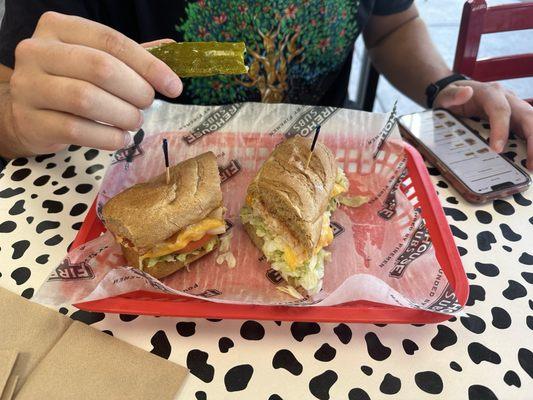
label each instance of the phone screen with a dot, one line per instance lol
(465, 154)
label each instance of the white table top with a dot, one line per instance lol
(489, 355)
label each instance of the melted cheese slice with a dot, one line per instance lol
(337, 189)
(183, 238)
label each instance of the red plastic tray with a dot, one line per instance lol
(418, 188)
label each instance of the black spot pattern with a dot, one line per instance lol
(198, 366)
(21, 275)
(503, 207)
(63, 310)
(54, 240)
(62, 190)
(480, 392)
(9, 192)
(20, 174)
(500, 318)
(224, 344)
(300, 330)
(78, 209)
(445, 337)
(473, 323)
(487, 269)
(90, 154)
(483, 217)
(512, 379)
(442, 184)
(484, 240)
(509, 234)
(19, 248)
(390, 384)
(320, 385)
(237, 378)
(69, 172)
(528, 277)
(51, 165)
(27, 293)
(358, 394)
(19, 162)
(7, 227)
(17, 208)
(429, 382)
(46, 225)
(456, 214)
(409, 346)
(186, 329)
(529, 322)
(34, 196)
(52, 206)
(84, 188)
(452, 200)
(525, 359)
(42, 180)
(479, 353)
(458, 233)
(343, 332)
(375, 348)
(366, 370)
(526, 259)
(42, 157)
(94, 168)
(42, 259)
(507, 248)
(128, 317)
(520, 199)
(433, 171)
(275, 397)
(514, 291)
(477, 293)
(285, 359)
(87, 316)
(161, 345)
(73, 147)
(325, 353)
(200, 395)
(252, 330)
(462, 251)
(471, 275)
(455, 366)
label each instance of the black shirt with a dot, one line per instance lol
(298, 51)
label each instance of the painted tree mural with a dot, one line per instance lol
(289, 45)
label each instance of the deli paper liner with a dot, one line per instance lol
(382, 251)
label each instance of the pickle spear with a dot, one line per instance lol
(193, 59)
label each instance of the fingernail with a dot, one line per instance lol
(174, 87)
(498, 145)
(128, 139)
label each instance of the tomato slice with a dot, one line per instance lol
(196, 244)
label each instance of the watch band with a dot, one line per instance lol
(434, 89)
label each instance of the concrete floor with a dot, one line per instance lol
(443, 18)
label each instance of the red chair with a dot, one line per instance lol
(478, 19)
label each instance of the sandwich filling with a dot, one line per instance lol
(287, 259)
(191, 241)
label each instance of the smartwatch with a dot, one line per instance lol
(434, 88)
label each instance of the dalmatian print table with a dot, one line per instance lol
(485, 354)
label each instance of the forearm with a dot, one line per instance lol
(408, 59)
(10, 146)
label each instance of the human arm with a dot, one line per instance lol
(76, 81)
(401, 49)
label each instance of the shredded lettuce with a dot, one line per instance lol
(342, 181)
(150, 262)
(308, 274)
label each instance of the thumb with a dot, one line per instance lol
(453, 95)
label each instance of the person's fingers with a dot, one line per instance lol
(498, 111)
(153, 43)
(453, 95)
(49, 128)
(77, 30)
(79, 98)
(522, 123)
(91, 65)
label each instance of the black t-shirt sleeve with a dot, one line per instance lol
(387, 7)
(21, 17)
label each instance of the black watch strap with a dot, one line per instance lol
(434, 88)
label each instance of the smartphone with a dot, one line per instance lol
(463, 158)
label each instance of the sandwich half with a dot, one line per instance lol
(288, 208)
(162, 228)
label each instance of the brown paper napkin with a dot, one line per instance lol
(9, 389)
(7, 362)
(62, 359)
